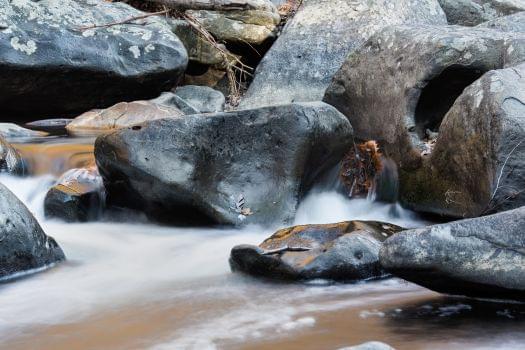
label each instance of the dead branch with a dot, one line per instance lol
(213, 5)
(126, 21)
(286, 249)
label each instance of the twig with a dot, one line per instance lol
(126, 21)
(286, 249)
(503, 168)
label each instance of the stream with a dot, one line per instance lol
(138, 285)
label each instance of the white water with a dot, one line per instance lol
(179, 280)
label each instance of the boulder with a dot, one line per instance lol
(252, 26)
(474, 12)
(10, 160)
(346, 251)
(482, 257)
(315, 42)
(511, 23)
(23, 244)
(477, 163)
(78, 68)
(79, 195)
(397, 90)
(12, 131)
(52, 126)
(202, 98)
(121, 115)
(249, 166)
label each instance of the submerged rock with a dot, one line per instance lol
(316, 41)
(79, 68)
(474, 12)
(10, 160)
(51, 126)
(11, 130)
(398, 88)
(23, 244)
(249, 166)
(346, 251)
(78, 196)
(482, 257)
(119, 116)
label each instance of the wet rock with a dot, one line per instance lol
(346, 251)
(11, 130)
(474, 12)
(51, 126)
(80, 69)
(253, 26)
(78, 196)
(372, 345)
(10, 160)
(477, 164)
(119, 116)
(511, 23)
(202, 98)
(249, 166)
(398, 88)
(23, 244)
(482, 257)
(293, 71)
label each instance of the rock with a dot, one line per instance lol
(10, 160)
(199, 50)
(120, 115)
(80, 69)
(78, 196)
(292, 71)
(482, 257)
(477, 164)
(346, 251)
(202, 98)
(398, 88)
(474, 12)
(252, 26)
(10, 130)
(372, 345)
(51, 126)
(511, 23)
(249, 166)
(23, 244)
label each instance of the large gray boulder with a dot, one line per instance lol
(474, 12)
(346, 251)
(249, 166)
(482, 257)
(23, 244)
(316, 41)
(76, 68)
(10, 160)
(511, 23)
(398, 88)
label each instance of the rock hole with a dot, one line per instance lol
(438, 96)
(358, 255)
(136, 127)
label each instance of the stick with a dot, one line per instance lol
(126, 21)
(286, 249)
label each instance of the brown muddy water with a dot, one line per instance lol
(142, 286)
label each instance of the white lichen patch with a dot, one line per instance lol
(149, 48)
(28, 48)
(135, 50)
(88, 33)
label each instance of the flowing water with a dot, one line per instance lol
(142, 286)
